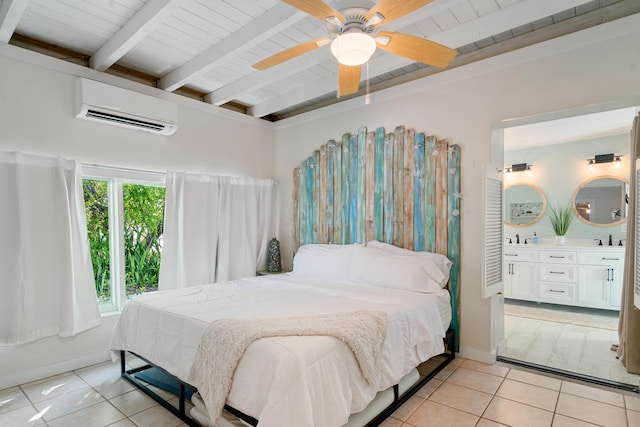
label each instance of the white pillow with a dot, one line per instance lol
(440, 262)
(323, 261)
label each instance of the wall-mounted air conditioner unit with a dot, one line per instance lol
(113, 105)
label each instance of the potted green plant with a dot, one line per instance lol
(561, 218)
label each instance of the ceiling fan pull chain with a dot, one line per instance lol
(367, 96)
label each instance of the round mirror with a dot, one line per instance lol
(524, 204)
(602, 200)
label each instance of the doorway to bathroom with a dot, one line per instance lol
(562, 300)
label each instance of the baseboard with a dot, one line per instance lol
(479, 356)
(55, 369)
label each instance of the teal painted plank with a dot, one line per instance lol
(309, 201)
(303, 208)
(388, 189)
(315, 206)
(430, 193)
(331, 147)
(378, 187)
(353, 188)
(398, 185)
(361, 196)
(453, 243)
(337, 196)
(419, 206)
(344, 238)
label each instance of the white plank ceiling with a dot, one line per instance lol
(206, 48)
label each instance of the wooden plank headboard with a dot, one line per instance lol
(401, 188)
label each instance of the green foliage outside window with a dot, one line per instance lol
(143, 226)
(96, 205)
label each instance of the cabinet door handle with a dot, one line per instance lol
(557, 272)
(554, 256)
(609, 274)
(610, 259)
(556, 291)
(510, 254)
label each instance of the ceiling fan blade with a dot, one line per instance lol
(316, 8)
(418, 49)
(394, 9)
(349, 79)
(290, 53)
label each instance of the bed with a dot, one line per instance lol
(301, 380)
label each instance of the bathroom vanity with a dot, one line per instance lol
(577, 275)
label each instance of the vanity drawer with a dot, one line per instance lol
(520, 255)
(600, 258)
(561, 293)
(558, 273)
(560, 257)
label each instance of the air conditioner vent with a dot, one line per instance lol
(103, 103)
(124, 120)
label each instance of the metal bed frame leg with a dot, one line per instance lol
(129, 375)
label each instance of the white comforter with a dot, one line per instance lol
(286, 381)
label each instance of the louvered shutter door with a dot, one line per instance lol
(493, 232)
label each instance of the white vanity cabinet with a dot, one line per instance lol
(579, 276)
(520, 274)
(558, 277)
(600, 278)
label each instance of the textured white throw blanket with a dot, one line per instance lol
(225, 341)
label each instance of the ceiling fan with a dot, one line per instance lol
(355, 37)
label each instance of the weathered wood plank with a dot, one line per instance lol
(453, 244)
(360, 219)
(344, 238)
(419, 194)
(308, 199)
(407, 182)
(388, 189)
(337, 196)
(378, 192)
(316, 196)
(398, 184)
(322, 197)
(369, 190)
(296, 210)
(331, 147)
(430, 153)
(442, 203)
(353, 188)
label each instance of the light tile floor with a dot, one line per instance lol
(465, 393)
(566, 338)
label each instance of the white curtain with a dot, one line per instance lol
(46, 277)
(189, 242)
(243, 223)
(215, 229)
(629, 322)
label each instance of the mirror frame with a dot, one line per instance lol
(542, 211)
(577, 190)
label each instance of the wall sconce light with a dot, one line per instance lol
(604, 158)
(520, 167)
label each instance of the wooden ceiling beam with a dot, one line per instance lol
(10, 13)
(152, 14)
(266, 25)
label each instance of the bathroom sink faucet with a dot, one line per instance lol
(517, 238)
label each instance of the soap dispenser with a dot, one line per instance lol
(534, 239)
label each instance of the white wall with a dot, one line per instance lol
(36, 116)
(600, 65)
(558, 170)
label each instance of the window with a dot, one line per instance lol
(125, 212)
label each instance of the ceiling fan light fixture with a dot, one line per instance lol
(353, 48)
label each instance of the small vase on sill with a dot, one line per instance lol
(560, 240)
